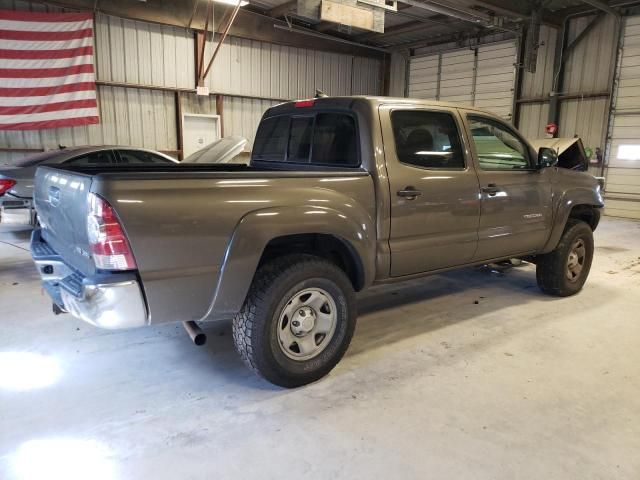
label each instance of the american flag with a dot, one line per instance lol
(46, 70)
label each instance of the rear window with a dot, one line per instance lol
(271, 139)
(326, 138)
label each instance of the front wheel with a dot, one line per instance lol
(564, 271)
(297, 321)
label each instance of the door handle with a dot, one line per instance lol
(410, 193)
(492, 189)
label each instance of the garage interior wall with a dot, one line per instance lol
(251, 75)
(483, 76)
(586, 78)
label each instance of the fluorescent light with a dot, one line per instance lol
(231, 2)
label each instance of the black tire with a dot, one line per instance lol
(255, 328)
(551, 268)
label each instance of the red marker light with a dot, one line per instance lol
(304, 103)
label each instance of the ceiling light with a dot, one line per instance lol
(232, 2)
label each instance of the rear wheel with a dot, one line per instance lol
(564, 271)
(297, 321)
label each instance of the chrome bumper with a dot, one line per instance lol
(111, 301)
(108, 305)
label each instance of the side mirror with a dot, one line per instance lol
(547, 157)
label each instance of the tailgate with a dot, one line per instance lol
(61, 202)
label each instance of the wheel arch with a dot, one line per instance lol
(349, 242)
(580, 204)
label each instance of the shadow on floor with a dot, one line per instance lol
(390, 313)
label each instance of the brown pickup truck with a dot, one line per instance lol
(341, 193)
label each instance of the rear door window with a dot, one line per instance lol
(323, 138)
(427, 139)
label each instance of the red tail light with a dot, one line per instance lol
(6, 184)
(304, 103)
(109, 245)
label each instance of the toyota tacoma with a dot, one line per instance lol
(341, 193)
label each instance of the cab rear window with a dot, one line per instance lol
(324, 138)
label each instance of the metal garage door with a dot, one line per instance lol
(483, 76)
(457, 72)
(623, 172)
(424, 76)
(495, 78)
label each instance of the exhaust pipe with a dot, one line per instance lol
(195, 332)
(57, 309)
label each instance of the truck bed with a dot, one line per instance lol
(181, 221)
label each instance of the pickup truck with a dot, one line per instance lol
(341, 193)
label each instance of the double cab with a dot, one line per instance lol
(341, 193)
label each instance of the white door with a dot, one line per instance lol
(198, 131)
(622, 191)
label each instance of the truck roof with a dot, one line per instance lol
(347, 101)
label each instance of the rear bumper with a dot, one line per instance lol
(10, 201)
(111, 301)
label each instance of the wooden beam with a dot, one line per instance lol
(179, 132)
(200, 41)
(395, 30)
(220, 113)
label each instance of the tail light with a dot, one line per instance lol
(108, 243)
(6, 184)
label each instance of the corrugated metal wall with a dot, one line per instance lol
(143, 53)
(140, 53)
(623, 173)
(539, 84)
(532, 119)
(258, 69)
(587, 70)
(534, 116)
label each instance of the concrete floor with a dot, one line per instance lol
(468, 375)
